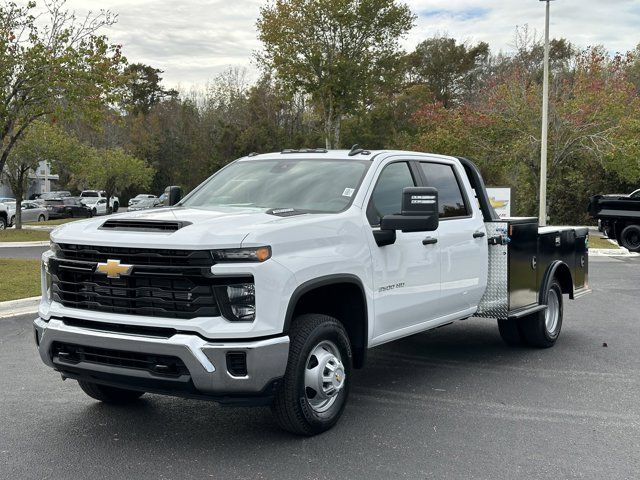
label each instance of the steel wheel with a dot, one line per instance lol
(324, 376)
(552, 313)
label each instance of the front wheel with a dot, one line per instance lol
(116, 206)
(107, 394)
(3, 223)
(542, 329)
(13, 220)
(630, 238)
(41, 218)
(316, 383)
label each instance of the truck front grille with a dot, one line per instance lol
(156, 290)
(137, 256)
(162, 365)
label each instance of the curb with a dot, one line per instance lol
(22, 306)
(24, 244)
(607, 252)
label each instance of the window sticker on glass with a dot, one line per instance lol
(348, 192)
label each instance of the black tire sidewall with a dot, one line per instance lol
(41, 218)
(3, 224)
(551, 337)
(325, 331)
(630, 230)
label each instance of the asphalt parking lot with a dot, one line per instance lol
(453, 403)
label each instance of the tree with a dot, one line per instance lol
(448, 68)
(42, 142)
(112, 170)
(54, 70)
(336, 51)
(143, 88)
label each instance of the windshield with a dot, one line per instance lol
(303, 185)
(635, 194)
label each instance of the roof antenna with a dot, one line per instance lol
(355, 150)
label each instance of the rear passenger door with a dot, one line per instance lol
(462, 237)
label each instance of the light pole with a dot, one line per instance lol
(545, 122)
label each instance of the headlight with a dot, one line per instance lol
(55, 248)
(47, 282)
(237, 302)
(253, 254)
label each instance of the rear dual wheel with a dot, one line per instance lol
(630, 238)
(540, 329)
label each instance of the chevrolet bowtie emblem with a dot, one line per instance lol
(113, 268)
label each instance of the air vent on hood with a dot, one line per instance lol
(144, 225)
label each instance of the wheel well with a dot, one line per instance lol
(344, 301)
(563, 275)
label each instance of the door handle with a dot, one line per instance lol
(478, 234)
(429, 241)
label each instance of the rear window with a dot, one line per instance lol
(450, 198)
(54, 202)
(89, 194)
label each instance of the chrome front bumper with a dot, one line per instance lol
(205, 359)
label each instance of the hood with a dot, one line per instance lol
(224, 227)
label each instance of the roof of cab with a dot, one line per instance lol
(317, 153)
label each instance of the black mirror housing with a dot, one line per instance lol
(420, 212)
(173, 195)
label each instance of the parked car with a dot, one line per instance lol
(67, 207)
(270, 281)
(7, 199)
(31, 212)
(53, 195)
(88, 195)
(4, 216)
(140, 197)
(98, 205)
(145, 204)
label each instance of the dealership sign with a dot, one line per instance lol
(500, 199)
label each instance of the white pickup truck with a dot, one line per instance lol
(268, 283)
(98, 202)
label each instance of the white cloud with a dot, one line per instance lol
(194, 40)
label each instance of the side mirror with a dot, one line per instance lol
(173, 195)
(419, 211)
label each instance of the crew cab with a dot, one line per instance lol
(98, 201)
(269, 282)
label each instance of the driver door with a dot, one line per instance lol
(406, 274)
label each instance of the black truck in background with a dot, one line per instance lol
(619, 217)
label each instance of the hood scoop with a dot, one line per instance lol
(130, 225)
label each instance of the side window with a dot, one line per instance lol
(386, 198)
(450, 196)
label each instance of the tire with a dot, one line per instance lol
(41, 218)
(3, 223)
(13, 220)
(510, 332)
(318, 343)
(94, 212)
(113, 395)
(116, 206)
(630, 238)
(109, 211)
(542, 329)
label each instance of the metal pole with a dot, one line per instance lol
(545, 124)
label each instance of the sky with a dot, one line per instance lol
(195, 40)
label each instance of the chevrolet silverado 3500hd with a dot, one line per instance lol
(268, 283)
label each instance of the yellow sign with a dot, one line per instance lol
(113, 268)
